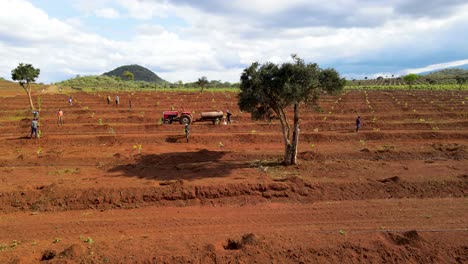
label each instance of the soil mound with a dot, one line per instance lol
(407, 238)
(391, 179)
(247, 239)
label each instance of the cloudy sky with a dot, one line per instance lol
(184, 39)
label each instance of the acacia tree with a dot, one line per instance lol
(128, 75)
(460, 80)
(202, 82)
(410, 79)
(26, 74)
(268, 89)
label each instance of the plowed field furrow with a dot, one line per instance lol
(113, 185)
(97, 139)
(76, 128)
(287, 226)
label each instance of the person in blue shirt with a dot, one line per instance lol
(34, 127)
(358, 123)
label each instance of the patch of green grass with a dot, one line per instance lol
(39, 151)
(11, 246)
(138, 147)
(15, 118)
(4, 247)
(88, 240)
(18, 116)
(39, 102)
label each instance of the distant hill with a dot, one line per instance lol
(450, 71)
(447, 73)
(445, 76)
(140, 73)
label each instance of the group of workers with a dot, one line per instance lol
(35, 121)
(117, 101)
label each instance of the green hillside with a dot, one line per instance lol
(140, 74)
(107, 82)
(445, 77)
(447, 74)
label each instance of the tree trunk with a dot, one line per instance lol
(288, 153)
(286, 135)
(28, 92)
(295, 139)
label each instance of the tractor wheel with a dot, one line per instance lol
(167, 121)
(185, 119)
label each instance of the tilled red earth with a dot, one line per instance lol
(114, 185)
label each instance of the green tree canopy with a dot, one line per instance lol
(460, 80)
(268, 89)
(202, 82)
(128, 75)
(410, 79)
(26, 74)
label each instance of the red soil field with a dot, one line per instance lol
(114, 185)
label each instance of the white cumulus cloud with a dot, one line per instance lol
(107, 13)
(183, 40)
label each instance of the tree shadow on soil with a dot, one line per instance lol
(181, 166)
(19, 138)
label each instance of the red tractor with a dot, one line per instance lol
(187, 118)
(173, 116)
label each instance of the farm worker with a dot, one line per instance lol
(228, 117)
(35, 114)
(187, 132)
(70, 100)
(60, 117)
(34, 126)
(108, 99)
(130, 103)
(117, 99)
(358, 123)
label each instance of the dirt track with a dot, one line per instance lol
(343, 231)
(141, 194)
